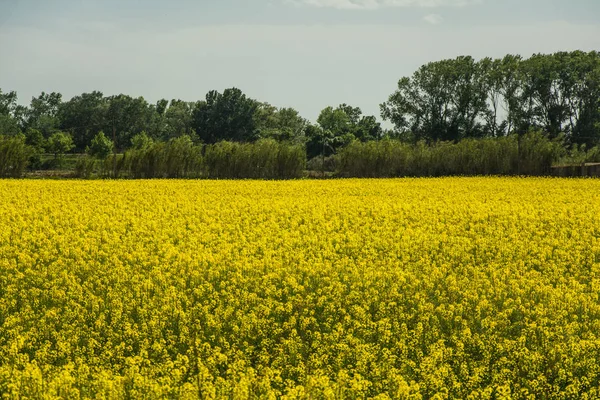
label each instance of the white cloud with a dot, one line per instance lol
(433, 19)
(376, 4)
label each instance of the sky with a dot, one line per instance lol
(306, 54)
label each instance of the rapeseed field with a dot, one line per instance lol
(453, 288)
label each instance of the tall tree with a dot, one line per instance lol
(9, 123)
(84, 116)
(368, 129)
(178, 119)
(280, 124)
(444, 100)
(43, 113)
(510, 88)
(582, 76)
(225, 116)
(336, 125)
(58, 144)
(8, 102)
(128, 116)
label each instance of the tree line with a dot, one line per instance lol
(440, 105)
(462, 98)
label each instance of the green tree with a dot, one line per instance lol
(368, 129)
(58, 144)
(42, 114)
(100, 147)
(178, 119)
(226, 116)
(84, 116)
(141, 141)
(128, 116)
(353, 113)
(14, 155)
(290, 124)
(580, 76)
(335, 120)
(34, 138)
(9, 123)
(346, 123)
(283, 124)
(444, 100)
(8, 102)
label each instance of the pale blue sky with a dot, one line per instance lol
(305, 54)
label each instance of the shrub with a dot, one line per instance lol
(179, 158)
(531, 154)
(14, 156)
(264, 159)
(85, 166)
(101, 146)
(58, 144)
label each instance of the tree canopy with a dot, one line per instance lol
(447, 100)
(462, 98)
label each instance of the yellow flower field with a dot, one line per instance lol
(467, 288)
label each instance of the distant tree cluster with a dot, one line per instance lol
(448, 100)
(462, 98)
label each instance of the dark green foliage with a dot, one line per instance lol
(537, 154)
(9, 114)
(129, 116)
(8, 125)
(314, 142)
(581, 155)
(179, 158)
(84, 116)
(35, 139)
(42, 114)
(147, 162)
(291, 161)
(444, 100)
(58, 144)
(284, 124)
(463, 98)
(226, 116)
(531, 154)
(438, 111)
(14, 156)
(265, 159)
(182, 158)
(85, 167)
(114, 166)
(141, 141)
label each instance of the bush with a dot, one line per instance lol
(581, 155)
(179, 158)
(113, 166)
(316, 164)
(537, 154)
(101, 146)
(14, 156)
(291, 161)
(85, 166)
(141, 141)
(264, 159)
(146, 162)
(182, 158)
(531, 154)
